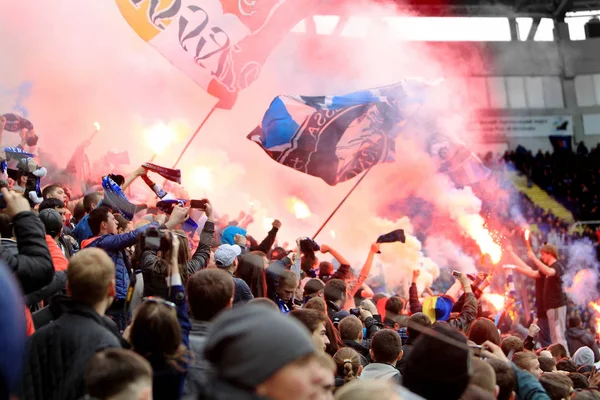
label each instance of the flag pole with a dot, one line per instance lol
(341, 203)
(187, 145)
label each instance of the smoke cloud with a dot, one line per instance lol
(581, 275)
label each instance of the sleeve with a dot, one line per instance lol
(33, 264)
(468, 313)
(124, 240)
(58, 284)
(202, 253)
(178, 297)
(413, 299)
(246, 294)
(267, 243)
(558, 268)
(528, 387)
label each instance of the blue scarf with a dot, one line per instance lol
(13, 153)
(117, 198)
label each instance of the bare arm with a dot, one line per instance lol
(132, 177)
(365, 271)
(544, 269)
(522, 267)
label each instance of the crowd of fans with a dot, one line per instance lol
(103, 306)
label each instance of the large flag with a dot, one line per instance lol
(463, 166)
(337, 137)
(220, 44)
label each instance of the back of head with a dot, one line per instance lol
(484, 329)
(549, 249)
(579, 380)
(89, 276)
(566, 365)
(505, 378)
(335, 290)
(386, 346)
(309, 318)
(474, 392)
(288, 279)
(348, 363)
(251, 343)
(51, 203)
(96, 217)
(79, 211)
(395, 305)
(523, 359)
(326, 269)
(557, 385)
(316, 303)
(558, 351)
(574, 321)
(512, 344)
(278, 253)
(415, 320)
(264, 301)
(209, 292)
(313, 286)
(350, 328)
(445, 350)
(587, 395)
(483, 376)
(547, 364)
(118, 374)
(91, 201)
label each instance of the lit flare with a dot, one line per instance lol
(496, 300)
(159, 137)
(596, 307)
(97, 126)
(474, 226)
(299, 208)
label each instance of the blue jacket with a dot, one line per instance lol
(82, 230)
(115, 246)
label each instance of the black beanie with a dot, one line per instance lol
(437, 370)
(52, 221)
(249, 344)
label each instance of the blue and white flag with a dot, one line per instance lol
(455, 159)
(336, 138)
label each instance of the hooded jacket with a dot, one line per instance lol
(381, 371)
(577, 338)
(28, 257)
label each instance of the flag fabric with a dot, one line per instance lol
(220, 44)
(462, 165)
(393, 236)
(14, 123)
(173, 175)
(336, 138)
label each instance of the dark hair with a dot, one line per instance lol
(335, 289)
(49, 189)
(277, 254)
(306, 263)
(579, 380)
(251, 269)
(78, 211)
(6, 227)
(522, 359)
(574, 321)
(209, 292)
(558, 351)
(97, 217)
(51, 203)
(288, 277)
(313, 286)
(309, 318)
(121, 222)
(155, 333)
(484, 329)
(110, 372)
(512, 343)
(557, 385)
(505, 378)
(325, 270)
(547, 364)
(566, 364)
(395, 304)
(418, 318)
(386, 346)
(91, 198)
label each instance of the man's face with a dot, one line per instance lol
(286, 292)
(320, 337)
(300, 380)
(58, 193)
(111, 224)
(534, 368)
(63, 213)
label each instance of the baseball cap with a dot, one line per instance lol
(225, 255)
(52, 221)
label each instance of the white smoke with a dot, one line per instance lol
(448, 255)
(581, 274)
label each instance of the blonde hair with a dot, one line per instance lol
(89, 275)
(348, 363)
(367, 389)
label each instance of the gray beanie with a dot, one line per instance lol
(583, 356)
(249, 344)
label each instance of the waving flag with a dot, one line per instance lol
(461, 164)
(220, 44)
(337, 137)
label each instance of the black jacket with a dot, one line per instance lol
(196, 378)
(577, 338)
(29, 258)
(58, 285)
(361, 349)
(58, 353)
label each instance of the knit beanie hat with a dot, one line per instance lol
(436, 369)
(249, 344)
(583, 356)
(52, 221)
(228, 235)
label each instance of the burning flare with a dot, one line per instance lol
(202, 178)
(596, 307)
(496, 300)
(159, 137)
(97, 126)
(527, 236)
(298, 207)
(473, 224)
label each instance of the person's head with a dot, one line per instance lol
(348, 364)
(91, 201)
(54, 204)
(579, 380)
(91, 279)
(386, 347)
(259, 350)
(251, 269)
(556, 385)
(574, 321)
(78, 211)
(102, 221)
(527, 362)
(417, 319)
(567, 365)
(278, 253)
(558, 351)
(155, 332)
(264, 301)
(226, 256)
(123, 225)
(328, 371)
(325, 270)
(547, 364)
(583, 356)
(316, 303)
(512, 344)
(506, 380)
(53, 222)
(233, 235)
(288, 282)
(394, 306)
(484, 329)
(548, 254)
(209, 291)
(118, 374)
(368, 389)
(56, 192)
(335, 291)
(308, 263)
(545, 353)
(313, 288)
(483, 376)
(6, 227)
(315, 323)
